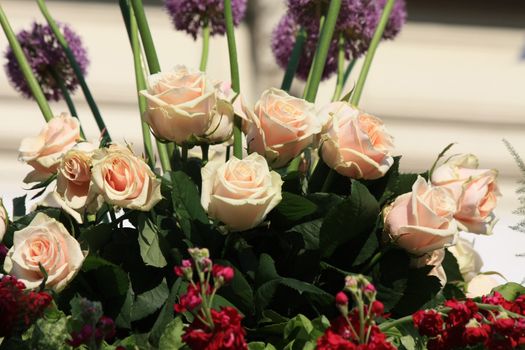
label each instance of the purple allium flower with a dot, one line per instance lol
(397, 19)
(46, 57)
(357, 22)
(191, 15)
(283, 40)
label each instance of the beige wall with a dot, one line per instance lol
(434, 85)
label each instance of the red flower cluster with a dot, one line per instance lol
(465, 324)
(341, 336)
(191, 299)
(19, 308)
(227, 332)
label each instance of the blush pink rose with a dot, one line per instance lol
(124, 179)
(475, 191)
(180, 104)
(469, 260)
(74, 191)
(280, 127)
(43, 152)
(44, 242)
(422, 221)
(356, 144)
(240, 193)
(4, 220)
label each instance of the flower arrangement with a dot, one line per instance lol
(292, 228)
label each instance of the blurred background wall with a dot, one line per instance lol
(456, 73)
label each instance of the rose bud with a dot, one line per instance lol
(280, 127)
(475, 191)
(422, 221)
(356, 144)
(240, 193)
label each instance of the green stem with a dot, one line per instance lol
(33, 84)
(76, 69)
(140, 81)
(348, 70)
(67, 97)
(340, 69)
(387, 325)
(234, 72)
(310, 73)
(295, 57)
(145, 34)
(205, 47)
(378, 34)
(372, 262)
(184, 155)
(322, 50)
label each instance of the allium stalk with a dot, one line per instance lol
(205, 47)
(378, 34)
(140, 81)
(154, 67)
(35, 88)
(293, 62)
(234, 72)
(321, 53)
(77, 70)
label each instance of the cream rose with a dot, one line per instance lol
(356, 144)
(74, 191)
(240, 193)
(180, 104)
(422, 221)
(481, 285)
(44, 242)
(220, 128)
(124, 179)
(4, 220)
(280, 127)
(43, 152)
(475, 191)
(468, 259)
(435, 259)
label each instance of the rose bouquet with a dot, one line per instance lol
(275, 225)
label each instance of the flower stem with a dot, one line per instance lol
(234, 72)
(76, 69)
(387, 325)
(140, 81)
(378, 34)
(348, 70)
(293, 62)
(328, 181)
(340, 69)
(67, 97)
(33, 84)
(145, 34)
(205, 47)
(321, 52)
(205, 148)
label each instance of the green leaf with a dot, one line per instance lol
(294, 207)
(451, 267)
(310, 232)
(97, 237)
(268, 280)
(166, 314)
(171, 339)
(408, 342)
(238, 291)
(351, 219)
(186, 201)
(298, 327)
(19, 207)
(510, 290)
(150, 250)
(257, 345)
(149, 302)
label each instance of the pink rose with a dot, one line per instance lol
(240, 193)
(356, 144)
(43, 152)
(475, 191)
(435, 259)
(44, 242)
(180, 104)
(124, 179)
(4, 220)
(280, 127)
(74, 191)
(422, 221)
